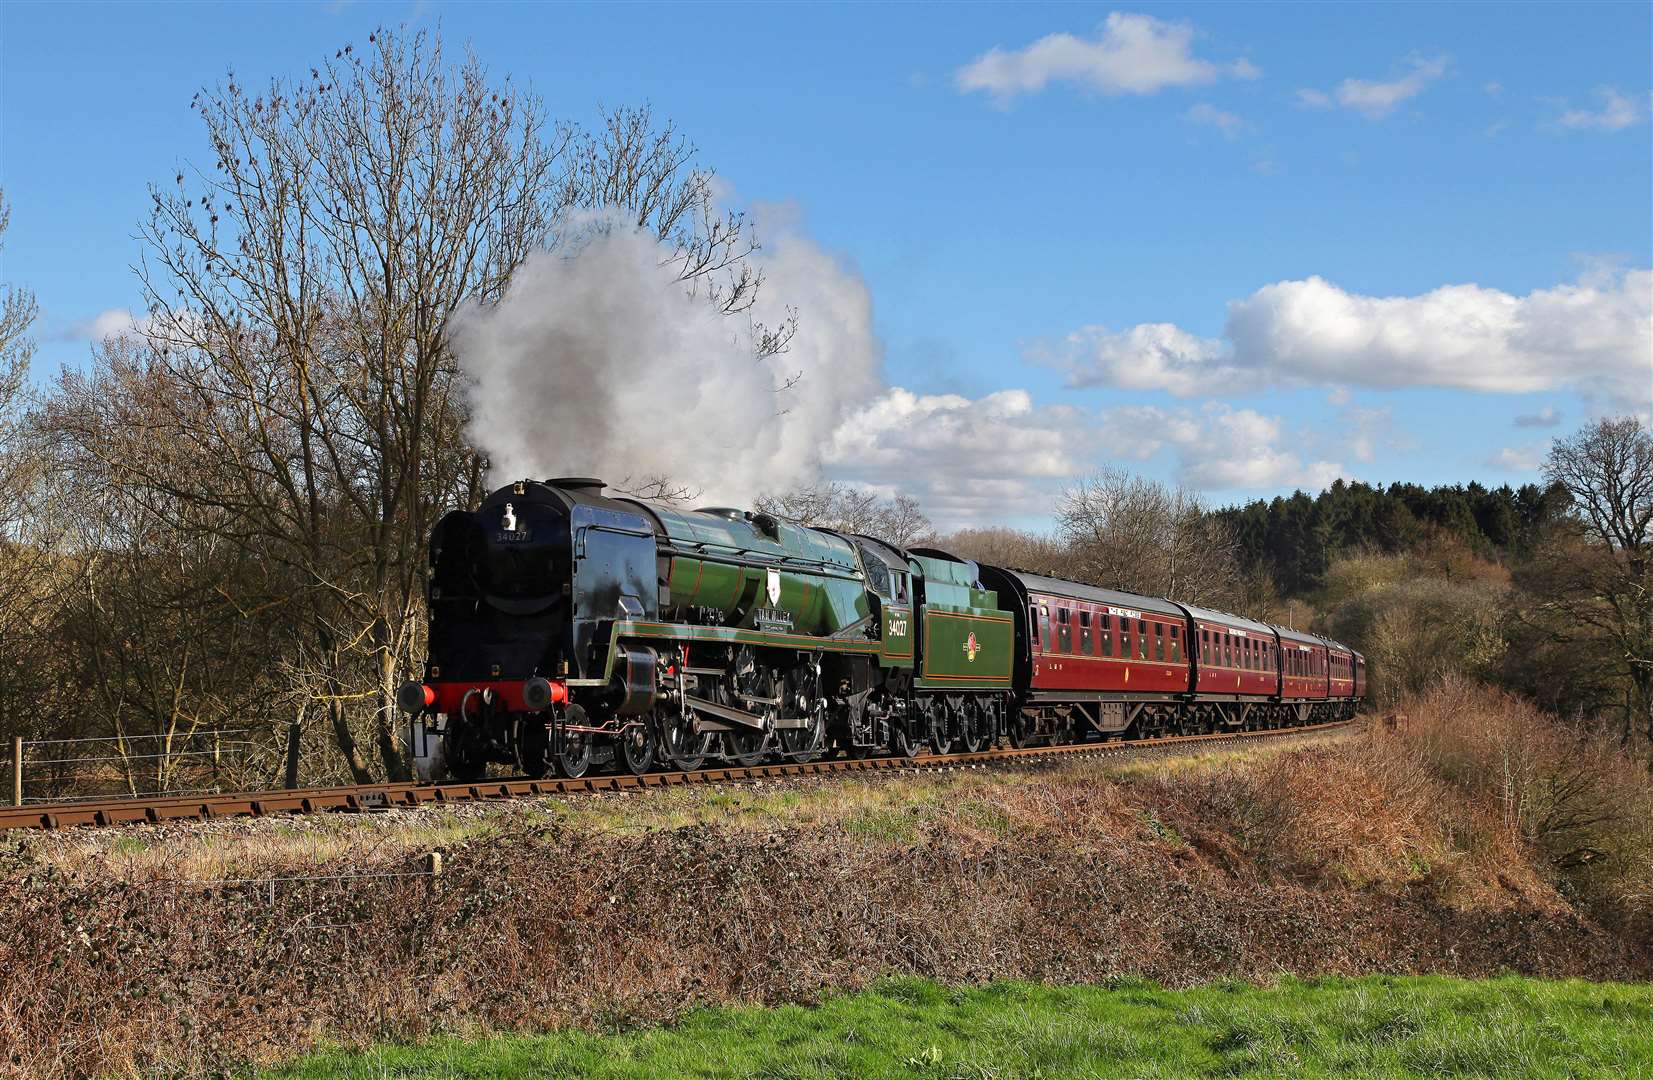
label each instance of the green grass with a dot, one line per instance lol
(1372, 1027)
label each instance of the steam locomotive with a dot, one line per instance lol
(572, 629)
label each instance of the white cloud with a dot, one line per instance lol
(1132, 54)
(115, 322)
(1219, 448)
(1148, 356)
(1520, 459)
(967, 460)
(1618, 111)
(1225, 122)
(1594, 336)
(1378, 98)
(1545, 417)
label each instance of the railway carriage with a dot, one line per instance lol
(1090, 660)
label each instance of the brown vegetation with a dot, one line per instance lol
(1445, 845)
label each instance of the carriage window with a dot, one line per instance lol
(1159, 641)
(1176, 645)
(1104, 627)
(1085, 632)
(1205, 646)
(1142, 639)
(1125, 639)
(1228, 650)
(1033, 617)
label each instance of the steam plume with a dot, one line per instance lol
(598, 362)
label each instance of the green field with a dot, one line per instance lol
(1371, 1027)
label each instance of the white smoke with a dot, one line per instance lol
(599, 362)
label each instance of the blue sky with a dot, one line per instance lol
(1212, 243)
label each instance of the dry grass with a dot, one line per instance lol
(1572, 801)
(197, 948)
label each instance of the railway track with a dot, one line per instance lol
(367, 797)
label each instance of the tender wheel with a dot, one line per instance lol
(903, 743)
(637, 746)
(942, 723)
(1016, 731)
(975, 728)
(574, 756)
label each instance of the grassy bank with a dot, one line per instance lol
(1445, 846)
(1374, 1027)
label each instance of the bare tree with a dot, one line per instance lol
(897, 520)
(1016, 548)
(1126, 532)
(28, 579)
(297, 390)
(292, 392)
(1592, 578)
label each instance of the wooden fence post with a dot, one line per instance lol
(17, 770)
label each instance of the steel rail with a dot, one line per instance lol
(365, 797)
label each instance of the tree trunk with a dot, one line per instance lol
(341, 734)
(295, 730)
(390, 753)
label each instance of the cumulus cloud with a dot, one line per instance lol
(1378, 98)
(1545, 417)
(1131, 54)
(967, 460)
(1519, 459)
(1618, 111)
(1220, 448)
(114, 322)
(1225, 122)
(1594, 336)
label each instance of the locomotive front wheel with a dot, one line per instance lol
(574, 749)
(637, 747)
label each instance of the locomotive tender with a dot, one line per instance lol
(570, 628)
